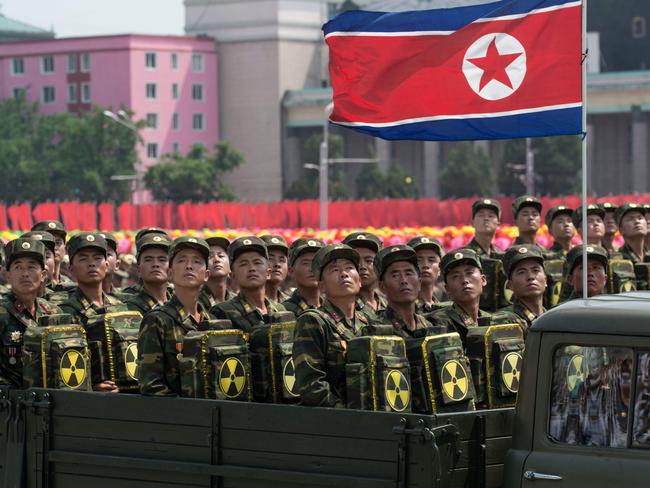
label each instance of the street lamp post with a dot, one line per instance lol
(122, 118)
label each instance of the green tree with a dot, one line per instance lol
(395, 183)
(468, 171)
(196, 177)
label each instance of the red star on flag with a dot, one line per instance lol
(494, 65)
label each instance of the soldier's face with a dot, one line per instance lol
(527, 279)
(111, 261)
(366, 268)
(218, 263)
(429, 264)
(250, 270)
(610, 223)
(340, 278)
(595, 228)
(401, 283)
(485, 221)
(278, 266)
(188, 269)
(89, 266)
(153, 266)
(596, 278)
(528, 219)
(634, 224)
(301, 271)
(562, 228)
(25, 275)
(464, 283)
(49, 263)
(59, 249)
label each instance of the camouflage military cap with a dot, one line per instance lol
(54, 227)
(365, 240)
(220, 241)
(25, 248)
(625, 208)
(489, 203)
(608, 206)
(247, 244)
(40, 235)
(149, 230)
(525, 201)
(592, 209)
(574, 257)
(275, 242)
(186, 242)
(162, 241)
(521, 252)
(331, 252)
(459, 256)
(555, 212)
(86, 240)
(302, 246)
(424, 242)
(111, 241)
(394, 254)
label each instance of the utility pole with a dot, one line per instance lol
(530, 168)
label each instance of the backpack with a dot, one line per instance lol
(495, 293)
(622, 277)
(557, 289)
(642, 273)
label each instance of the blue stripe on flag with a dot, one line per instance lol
(538, 124)
(448, 19)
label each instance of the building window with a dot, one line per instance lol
(197, 122)
(176, 123)
(197, 92)
(18, 92)
(72, 63)
(152, 121)
(17, 66)
(174, 61)
(174, 91)
(47, 64)
(176, 147)
(85, 62)
(152, 150)
(48, 94)
(150, 60)
(151, 91)
(72, 93)
(197, 63)
(85, 93)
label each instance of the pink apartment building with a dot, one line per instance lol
(168, 81)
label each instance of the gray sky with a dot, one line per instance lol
(71, 18)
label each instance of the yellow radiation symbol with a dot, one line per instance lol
(289, 377)
(557, 292)
(232, 377)
(627, 286)
(398, 391)
(453, 379)
(131, 360)
(575, 373)
(73, 369)
(511, 371)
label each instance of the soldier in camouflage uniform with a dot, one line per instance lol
(160, 344)
(322, 334)
(249, 269)
(21, 308)
(60, 282)
(367, 245)
(429, 252)
(524, 267)
(559, 220)
(48, 241)
(597, 268)
(486, 216)
(399, 280)
(135, 288)
(527, 213)
(611, 227)
(595, 223)
(630, 218)
(111, 261)
(306, 295)
(216, 289)
(153, 272)
(278, 251)
(464, 281)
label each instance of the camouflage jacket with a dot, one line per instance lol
(82, 309)
(423, 308)
(520, 314)
(207, 299)
(364, 307)
(454, 319)
(626, 252)
(557, 250)
(65, 284)
(160, 344)
(4, 290)
(388, 316)
(14, 320)
(296, 303)
(242, 314)
(319, 354)
(142, 302)
(478, 249)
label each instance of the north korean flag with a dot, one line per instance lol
(499, 70)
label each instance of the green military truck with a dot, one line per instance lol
(582, 419)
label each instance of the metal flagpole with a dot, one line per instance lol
(584, 148)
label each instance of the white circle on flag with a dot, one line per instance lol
(503, 66)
